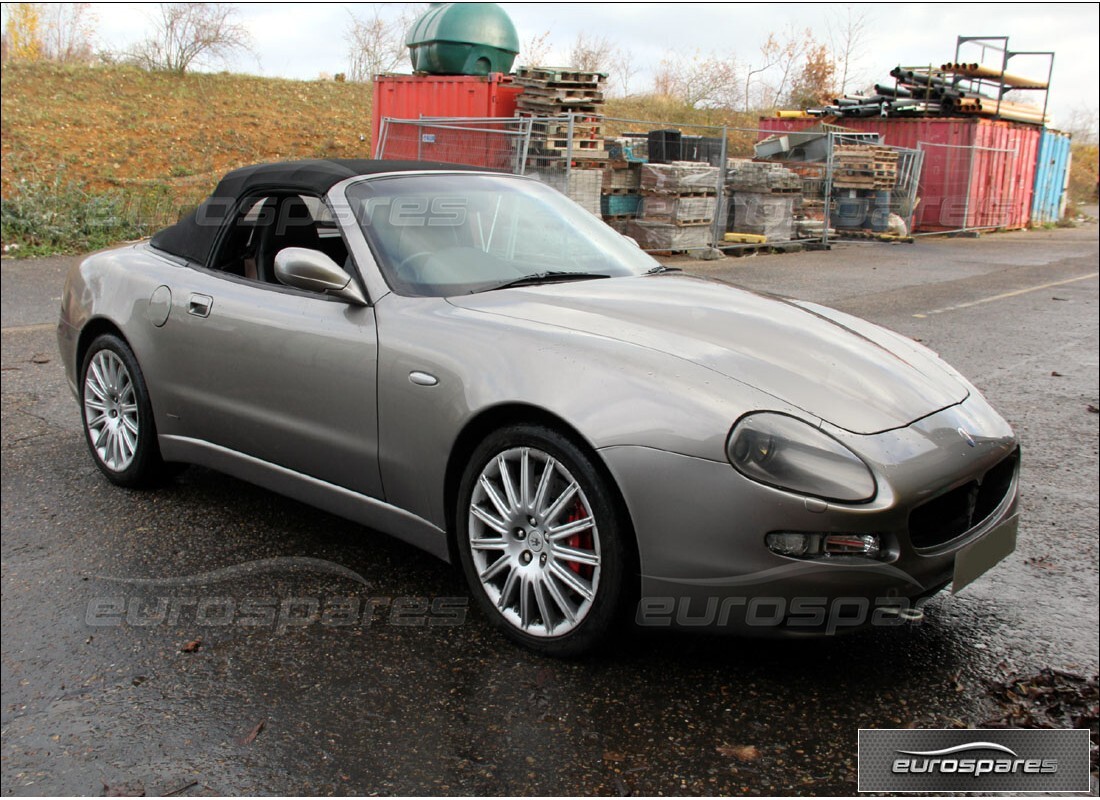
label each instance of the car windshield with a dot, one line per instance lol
(450, 234)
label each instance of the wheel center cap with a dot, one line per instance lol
(535, 541)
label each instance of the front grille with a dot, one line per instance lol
(952, 514)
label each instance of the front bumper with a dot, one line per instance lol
(701, 530)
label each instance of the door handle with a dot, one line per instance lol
(199, 305)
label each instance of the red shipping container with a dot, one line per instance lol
(415, 96)
(978, 173)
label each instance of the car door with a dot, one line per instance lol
(279, 374)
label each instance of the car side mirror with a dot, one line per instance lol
(314, 271)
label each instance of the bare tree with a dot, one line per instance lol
(191, 34)
(769, 57)
(591, 53)
(68, 32)
(791, 50)
(537, 49)
(847, 36)
(701, 81)
(376, 43)
(1082, 123)
(621, 71)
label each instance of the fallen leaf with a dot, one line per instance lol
(957, 683)
(192, 646)
(1092, 409)
(40, 358)
(742, 752)
(250, 737)
(1055, 374)
(611, 755)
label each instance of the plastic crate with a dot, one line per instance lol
(617, 205)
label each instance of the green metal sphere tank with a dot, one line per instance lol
(463, 39)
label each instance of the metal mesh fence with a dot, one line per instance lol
(955, 204)
(685, 188)
(872, 187)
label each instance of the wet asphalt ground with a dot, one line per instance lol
(97, 702)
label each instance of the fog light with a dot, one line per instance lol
(852, 544)
(796, 545)
(818, 545)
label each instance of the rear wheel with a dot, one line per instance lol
(117, 415)
(540, 540)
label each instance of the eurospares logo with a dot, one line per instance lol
(952, 761)
(986, 760)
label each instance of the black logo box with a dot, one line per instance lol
(961, 760)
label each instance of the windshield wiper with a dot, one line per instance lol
(657, 270)
(550, 276)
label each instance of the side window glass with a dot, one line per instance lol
(238, 253)
(271, 223)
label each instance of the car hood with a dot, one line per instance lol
(841, 369)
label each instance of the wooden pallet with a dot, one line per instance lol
(678, 223)
(864, 183)
(589, 147)
(865, 173)
(564, 102)
(553, 75)
(874, 236)
(538, 108)
(589, 161)
(764, 190)
(582, 128)
(742, 250)
(867, 152)
(561, 94)
(679, 192)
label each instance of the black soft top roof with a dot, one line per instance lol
(194, 235)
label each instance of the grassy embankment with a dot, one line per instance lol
(95, 155)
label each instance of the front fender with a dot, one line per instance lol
(612, 392)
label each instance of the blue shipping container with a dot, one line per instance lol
(1051, 175)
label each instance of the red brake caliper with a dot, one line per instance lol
(581, 540)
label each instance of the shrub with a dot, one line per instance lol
(53, 214)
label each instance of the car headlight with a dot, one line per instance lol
(788, 453)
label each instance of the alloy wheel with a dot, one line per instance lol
(534, 542)
(111, 411)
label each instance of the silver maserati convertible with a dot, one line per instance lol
(474, 364)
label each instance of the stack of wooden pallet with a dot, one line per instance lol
(678, 204)
(552, 92)
(864, 167)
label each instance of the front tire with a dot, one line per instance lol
(540, 540)
(117, 415)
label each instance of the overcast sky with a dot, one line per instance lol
(305, 40)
